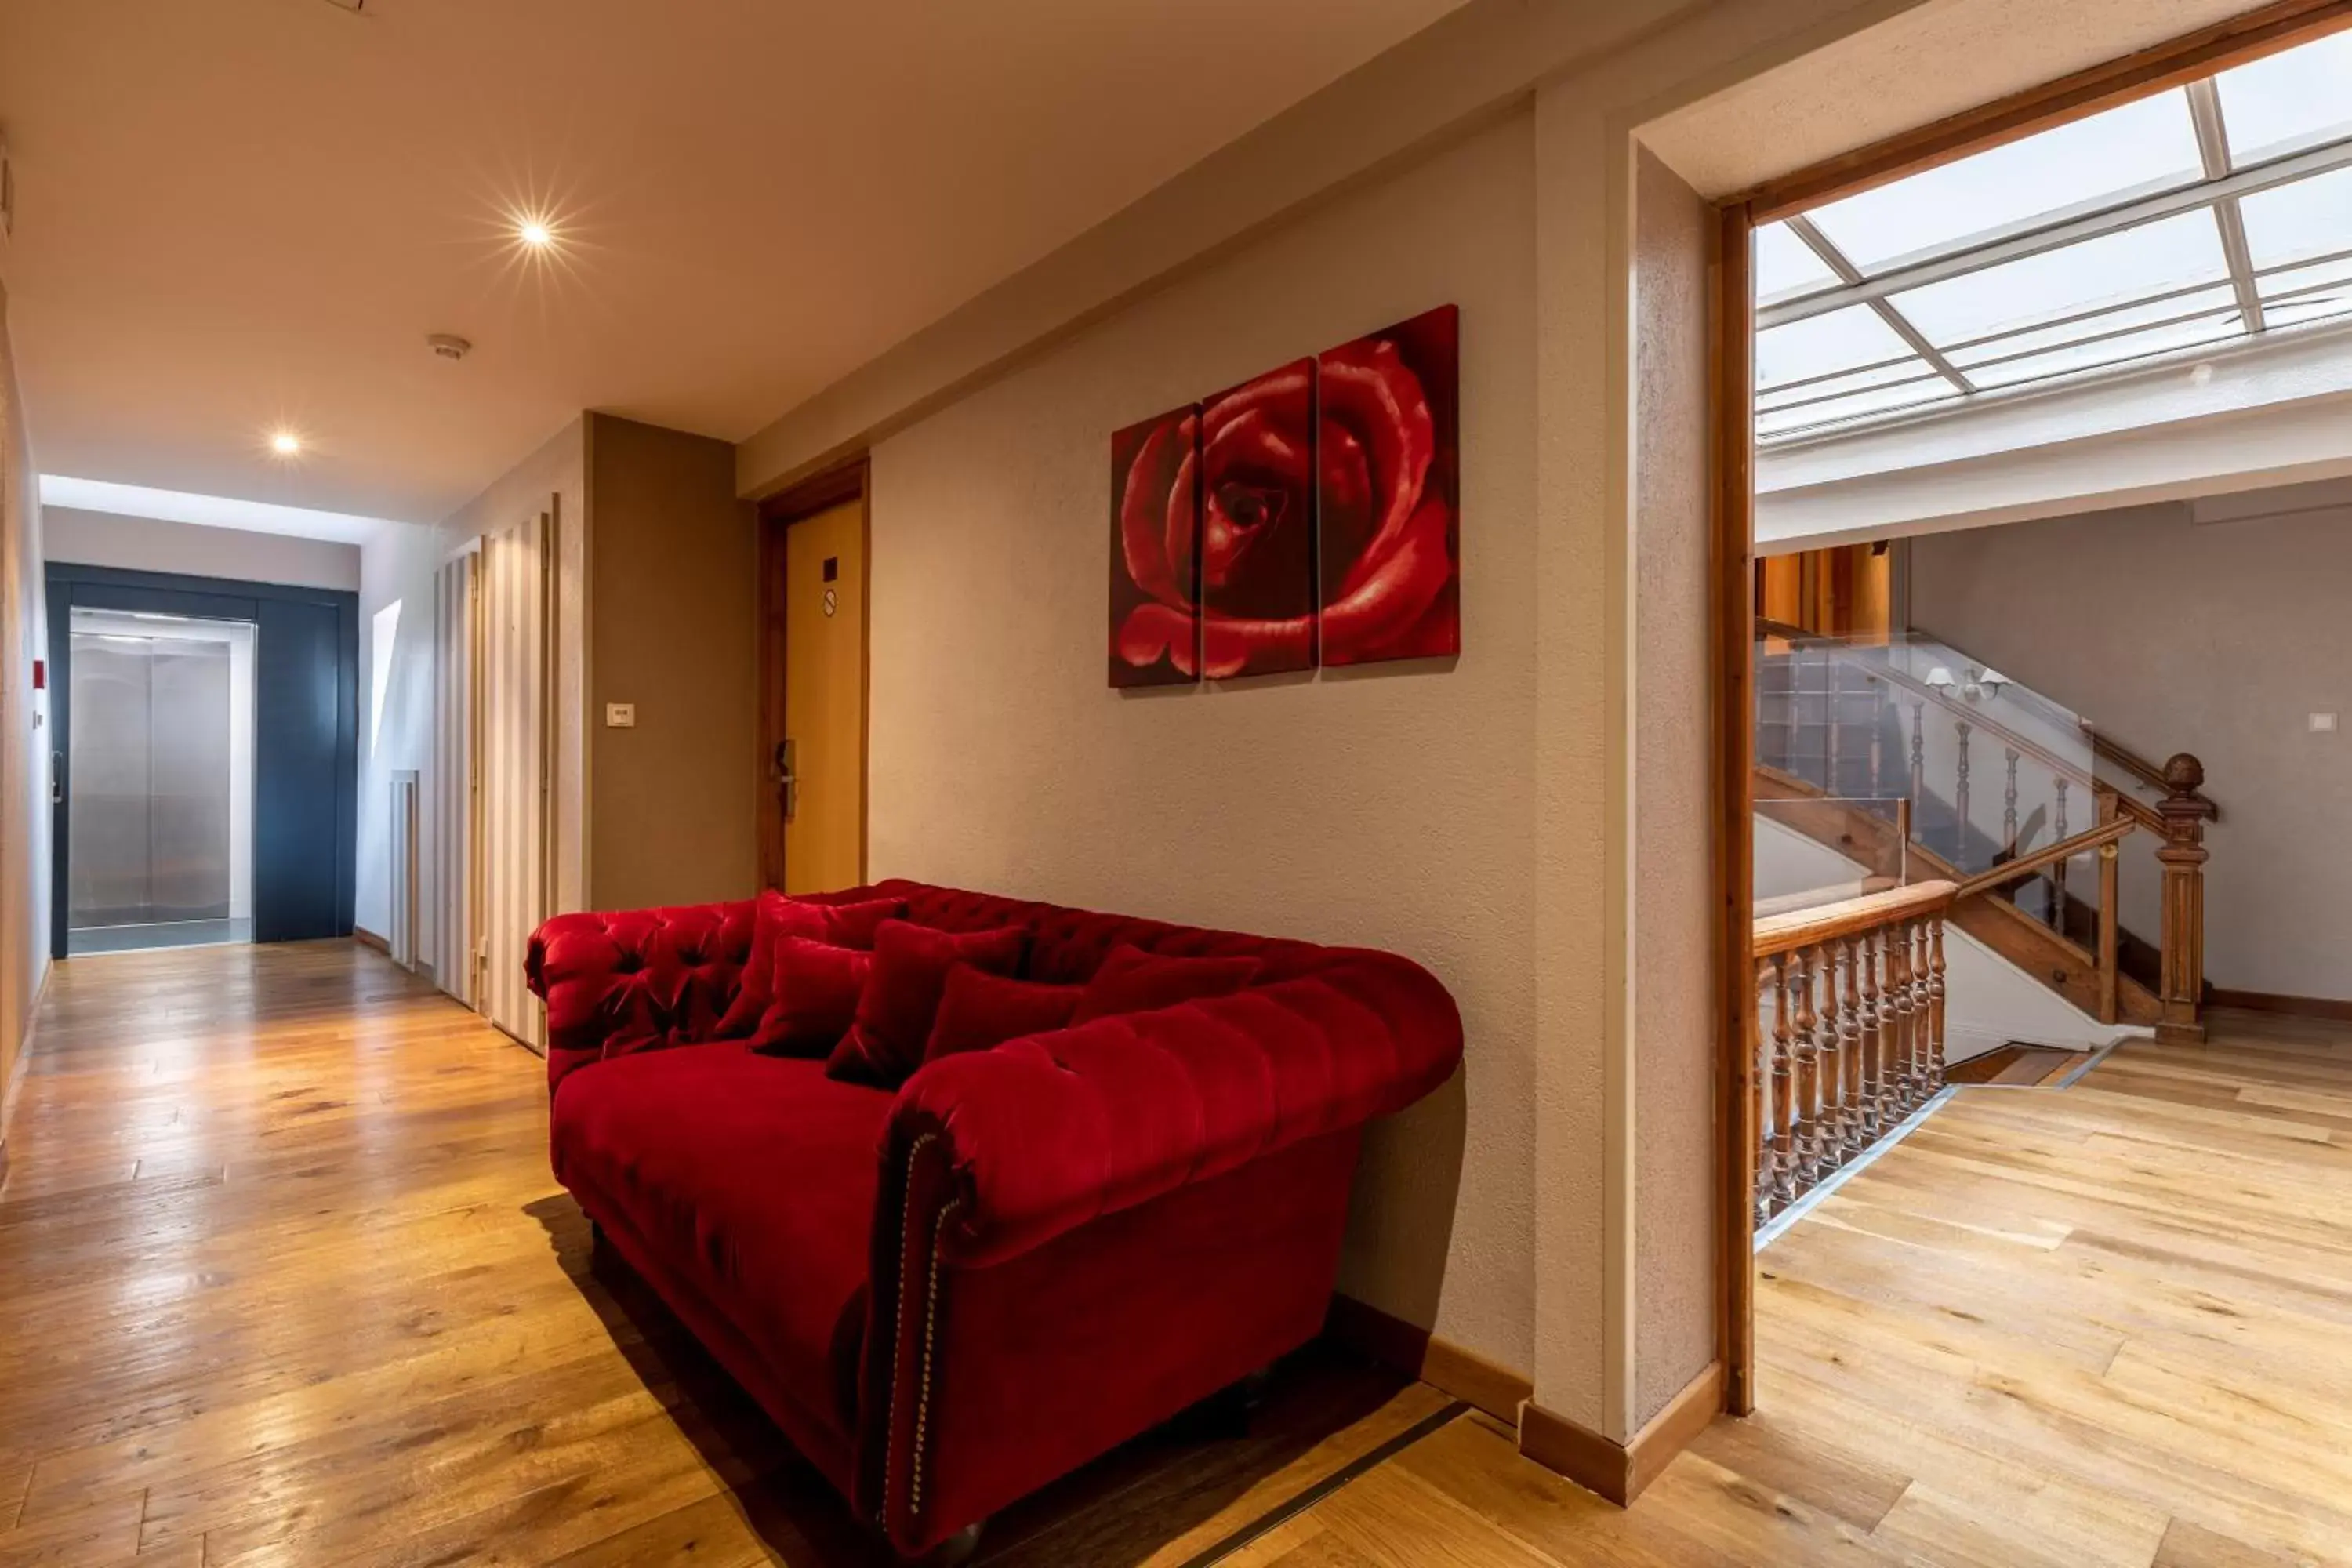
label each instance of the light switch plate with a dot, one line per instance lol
(2323, 723)
(620, 715)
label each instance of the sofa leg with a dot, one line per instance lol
(600, 1251)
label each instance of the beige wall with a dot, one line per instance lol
(2217, 640)
(1391, 807)
(1671, 785)
(152, 544)
(24, 754)
(672, 593)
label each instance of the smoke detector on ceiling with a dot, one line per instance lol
(449, 346)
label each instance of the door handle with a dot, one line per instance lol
(57, 778)
(788, 783)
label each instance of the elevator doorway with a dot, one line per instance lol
(160, 850)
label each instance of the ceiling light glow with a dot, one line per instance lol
(535, 234)
(286, 444)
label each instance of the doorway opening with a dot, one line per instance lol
(161, 827)
(1987, 392)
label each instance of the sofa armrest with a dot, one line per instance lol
(624, 981)
(1045, 1133)
(1035, 1198)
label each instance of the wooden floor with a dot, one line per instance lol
(284, 1280)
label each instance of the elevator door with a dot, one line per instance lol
(150, 821)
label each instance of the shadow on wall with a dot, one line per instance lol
(1441, 665)
(1401, 1210)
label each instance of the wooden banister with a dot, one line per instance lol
(2181, 991)
(2141, 768)
(1853, 1040)
(1826, 922)
(2064, 849)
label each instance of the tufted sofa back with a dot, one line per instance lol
(643, 978)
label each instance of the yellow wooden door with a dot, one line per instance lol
(825, 701)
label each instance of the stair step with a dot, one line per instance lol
(2017, 1066)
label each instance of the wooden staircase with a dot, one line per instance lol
(1883, 754)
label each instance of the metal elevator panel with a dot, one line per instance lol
(149, 822)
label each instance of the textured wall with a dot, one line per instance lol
(1672, 1006)
(672, 804)
(1391, 806)
(396, 568)
(150, 544)
(24, 752)
(2217, 640)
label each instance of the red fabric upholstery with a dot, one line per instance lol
(979, 1011)
(775, 917)
(1133, 980)
(902, 995)
(814, 998)
(1066, 1238)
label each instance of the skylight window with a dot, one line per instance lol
(2110, 269)
(2196, 217)
(2289, 100)
(2143, 146)
(1787, 266)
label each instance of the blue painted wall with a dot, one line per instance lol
(306, 687)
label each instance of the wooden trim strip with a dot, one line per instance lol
(1802, 928)
(2271, 1002)
(1731, 583)
(1622, 1472)
(2266, 30)
(1449, 1368)
(367, 938)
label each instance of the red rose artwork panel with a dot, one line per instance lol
(1388, 492)
(1257, 575)
(1155, 551)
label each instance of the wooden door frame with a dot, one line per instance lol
(843, 482)
(2267, 30)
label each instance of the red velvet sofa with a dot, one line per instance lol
(949, 1296)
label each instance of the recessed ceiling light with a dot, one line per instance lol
(286, 444)
(534, 233)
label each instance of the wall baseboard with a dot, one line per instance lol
(1620, 1472)
(367, 938)
(1469, 1376)
(2271, 1002)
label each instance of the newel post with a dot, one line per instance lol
(2185, 812)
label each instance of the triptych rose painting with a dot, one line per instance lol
(1308, 516)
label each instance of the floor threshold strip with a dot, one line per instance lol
(1284, 1513)
(1772, 1230)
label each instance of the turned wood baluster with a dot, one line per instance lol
(1922, 1015)
(1874, 1039)
(2009, 806)
(1853, 1136)
(1832, 710)
(1808, 1131)
(2181, 991)
(1898, 996)
(1761, 1097)
(2058, 868)
(1960, 795)
(1919, 750)
(1784, 1089)
(1832, 1076)
(2109, 809)
(1878, 740)
(1935, 1002)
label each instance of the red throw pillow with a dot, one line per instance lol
(842, 925)
(978, 1010)
(1133, 980)
(814, 997)
(902, 995)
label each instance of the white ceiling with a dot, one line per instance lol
(242, 215)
